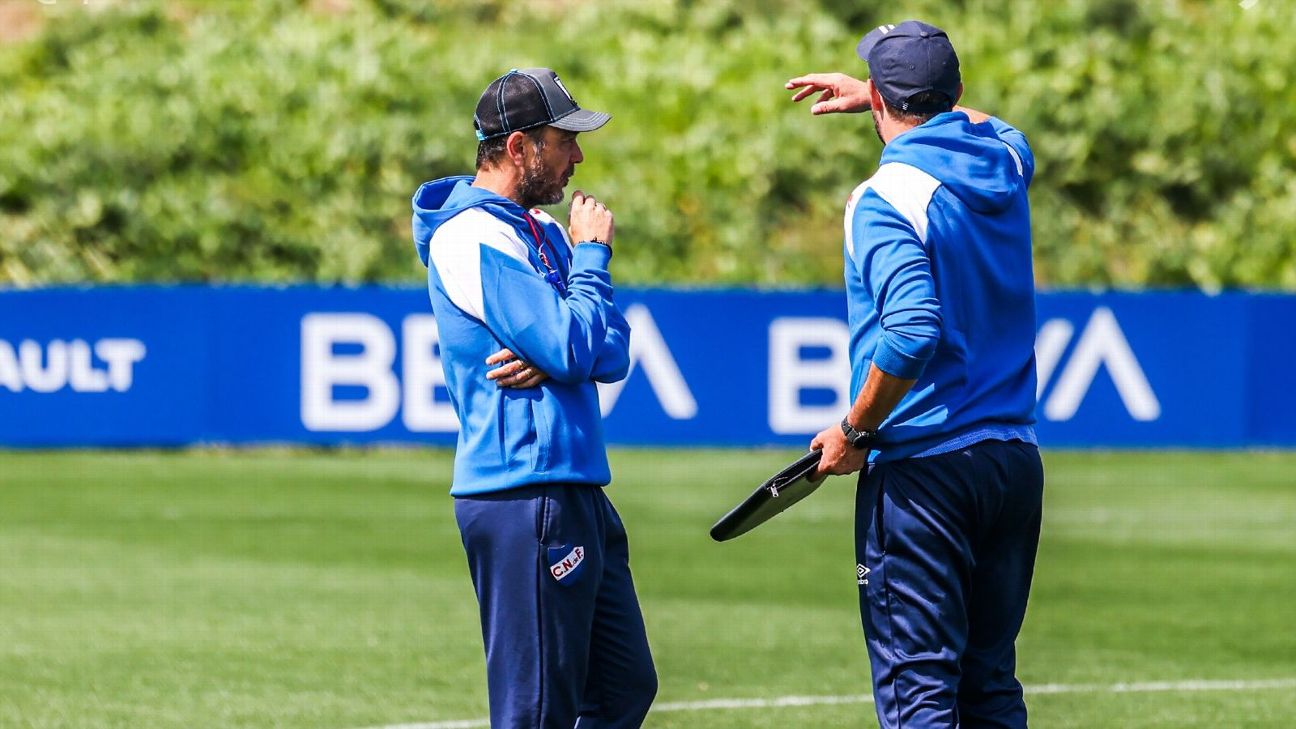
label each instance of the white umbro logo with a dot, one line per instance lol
(886, 28)
(861, 574)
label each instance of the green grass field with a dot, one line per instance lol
(328, 590)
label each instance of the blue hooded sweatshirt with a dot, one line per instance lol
(491, 289)
(941, 287)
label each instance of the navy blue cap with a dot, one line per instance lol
(530, 98)
(910, 58)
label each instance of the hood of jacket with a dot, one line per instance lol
(969, 160)
(437, 201)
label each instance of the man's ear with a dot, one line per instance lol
(958, 94)
(515, 148)
(875, 99)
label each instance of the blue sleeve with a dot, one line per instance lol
(613, 361)
(562, 336)
(894, 267)
(1017, 141)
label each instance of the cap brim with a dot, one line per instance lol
(866, 43)
(582, 120)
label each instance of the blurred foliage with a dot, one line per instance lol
(280, 141)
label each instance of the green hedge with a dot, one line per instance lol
(280, 141)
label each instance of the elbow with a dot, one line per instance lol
(905, 351)
(572, 369)
(614, 372)
(621, 372)
(923, 346)
(569, 375)
(579, 361)
(570, 378)
(902, 359)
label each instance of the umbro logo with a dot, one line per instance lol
(861, 574)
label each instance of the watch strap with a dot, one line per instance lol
(861, 439)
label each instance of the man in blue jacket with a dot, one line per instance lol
(942, 319)
(527, 326)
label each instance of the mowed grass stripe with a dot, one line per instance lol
(780, 702)
(326, 589)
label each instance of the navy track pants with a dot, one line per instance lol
(946, 548)
(561, 623)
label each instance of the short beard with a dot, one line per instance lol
(537, 186)
(877, 127)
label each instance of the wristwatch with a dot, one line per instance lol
(861, 439)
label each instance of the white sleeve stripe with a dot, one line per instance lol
(1016, 158)
(455, 250)
(904, 187)
(909, 190)
(851, 203)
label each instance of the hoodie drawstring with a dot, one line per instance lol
(541, 240)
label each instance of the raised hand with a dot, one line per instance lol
(590, 220)
(837, 92)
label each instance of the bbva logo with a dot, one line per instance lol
(417, 392)
(414, 387)
(1101, 344)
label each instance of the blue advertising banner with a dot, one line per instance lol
(164, 366)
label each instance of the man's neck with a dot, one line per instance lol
(894, 129)
(498, 182)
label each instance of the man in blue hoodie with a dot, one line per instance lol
(942, 318)
(527, 326)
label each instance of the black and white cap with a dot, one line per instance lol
(530, 98)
